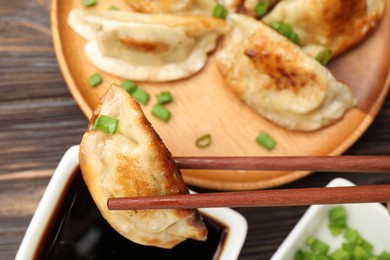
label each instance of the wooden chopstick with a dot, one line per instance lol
(289, 163)
(286, 197)
(260, 198)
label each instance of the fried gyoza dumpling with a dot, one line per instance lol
(204, 7)
(135, 162)
(279, 80)
(147, 47)
(328, 24)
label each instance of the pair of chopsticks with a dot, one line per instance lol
(279, 197)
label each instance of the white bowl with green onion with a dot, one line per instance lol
(340, 232)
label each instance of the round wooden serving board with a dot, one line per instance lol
(202, 104)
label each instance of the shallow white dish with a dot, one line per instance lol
(370, 219)
(236, 224)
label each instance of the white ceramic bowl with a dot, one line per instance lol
(236, 224)
(370, 219)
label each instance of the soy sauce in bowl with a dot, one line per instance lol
(78, 231)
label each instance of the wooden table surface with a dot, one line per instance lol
(39, 120)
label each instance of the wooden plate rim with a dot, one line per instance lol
(201, 182)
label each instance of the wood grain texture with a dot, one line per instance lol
(39, 120)
(203, 104)
(288, 163)
(258, 198)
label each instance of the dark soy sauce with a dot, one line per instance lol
(78, 231)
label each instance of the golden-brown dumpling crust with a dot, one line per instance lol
(135, 162)
(280, 81)
(332, 24)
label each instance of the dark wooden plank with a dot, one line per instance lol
(12, 231)
(38, 118)
(19, 199)
(37, 139)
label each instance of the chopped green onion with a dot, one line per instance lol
(161, 113)
(384, 255)
(337, 220)
(319, 247)
(310, 240)
(141, 96)
(294, 38)
(164, 98)
(336, 228)
(366, 245)
(360, 253)
(261, 8)
(137, 93)
(129, 86)
(348, 248)
(355, 246)
(95, 79)
(220, 11)
(275, 25)
(286, 30)
(324, 56)
(106, 124)
(339, 254)
(203, 141)
(265, 140)
(113, 8)
(352, 235)
(337, 213)
(88, 3)
(303, 255)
